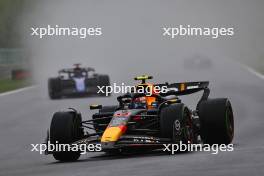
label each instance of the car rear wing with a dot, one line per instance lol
(71, 70)
(186, 88)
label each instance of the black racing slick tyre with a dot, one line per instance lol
(175, 123)
(54, 88)
(66, 128)
(217, 121)
(103, 80)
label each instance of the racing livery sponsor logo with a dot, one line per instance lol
(192, 87)
(177, 125)
(145, 139)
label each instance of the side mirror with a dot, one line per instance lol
(95, 107)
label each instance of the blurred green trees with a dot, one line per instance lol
(10, 10)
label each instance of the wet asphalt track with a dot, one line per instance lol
(25, 117)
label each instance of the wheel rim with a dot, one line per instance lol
(176, 133)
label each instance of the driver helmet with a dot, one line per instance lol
(77, 71)
(140, 103)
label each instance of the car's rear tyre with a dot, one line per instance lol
(217, 121)
(175, 123)
(66, 128)
(104, 80)
(54, 88)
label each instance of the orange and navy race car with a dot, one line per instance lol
(142, 121)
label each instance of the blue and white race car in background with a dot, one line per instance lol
(76, 82)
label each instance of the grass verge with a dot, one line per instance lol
(8, 84)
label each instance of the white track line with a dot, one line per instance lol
(249, 69)
(16, 91)
(254, 72)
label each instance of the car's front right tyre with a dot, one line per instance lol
(54, 88)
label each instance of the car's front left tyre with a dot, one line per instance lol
(66, 128)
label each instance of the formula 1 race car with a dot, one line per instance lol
(76, 81)
(146, 122)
